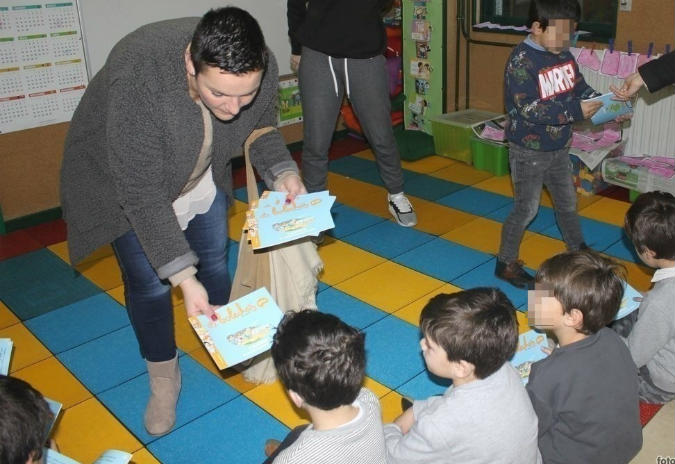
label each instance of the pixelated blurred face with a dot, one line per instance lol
(435, 357)
(557, 36)
(226, 94)
(544, 311)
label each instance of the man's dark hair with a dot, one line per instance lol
(587, 281)
(24, 420)
(230, 39)
(320, 358)
(650, 223)
(544, 10)
(477, 325)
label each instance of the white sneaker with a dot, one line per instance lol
(402, 210)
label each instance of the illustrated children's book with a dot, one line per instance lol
(5, 354)
(271, 221)
(109, 457)
(611, 109)
(630, 301)
(244, 328)
(529, 350)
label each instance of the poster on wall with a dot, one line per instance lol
(423, 62)
(290, 107)
(42, 69)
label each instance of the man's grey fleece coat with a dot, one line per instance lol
(134, 141)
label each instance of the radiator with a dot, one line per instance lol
(651, 131)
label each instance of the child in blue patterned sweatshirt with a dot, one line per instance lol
(544, 95)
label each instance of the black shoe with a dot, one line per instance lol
(514, 274)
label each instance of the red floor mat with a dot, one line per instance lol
(648, 411)
(17, 243)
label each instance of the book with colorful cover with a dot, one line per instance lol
(271, 221)
(610, 109)
(5, 354)
(244, 328)
(529, 350)
(109, 457)
(630, 302)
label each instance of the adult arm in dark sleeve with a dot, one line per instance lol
(654, 75)
(658, 73)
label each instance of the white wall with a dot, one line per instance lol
(104, 22)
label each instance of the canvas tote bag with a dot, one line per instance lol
(289, 272)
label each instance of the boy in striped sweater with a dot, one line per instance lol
(321, 362)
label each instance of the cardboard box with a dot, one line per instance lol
(452, 132)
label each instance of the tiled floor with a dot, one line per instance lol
(74, 343)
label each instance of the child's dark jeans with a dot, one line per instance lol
(530, 171)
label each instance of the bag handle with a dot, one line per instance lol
(251, 186)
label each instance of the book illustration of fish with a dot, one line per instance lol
(292, 225)
(524, 369)
(249, 335)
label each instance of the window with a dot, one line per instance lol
(597, 16)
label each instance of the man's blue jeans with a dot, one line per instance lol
(148, 299)
(530, 170)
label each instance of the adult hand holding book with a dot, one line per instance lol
(272, 221)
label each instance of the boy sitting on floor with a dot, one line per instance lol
(321, 361)
(650, 331)
(24, 421)
(584, 392)
(485, 416)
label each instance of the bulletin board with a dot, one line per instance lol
(423, 62)
(43, 72)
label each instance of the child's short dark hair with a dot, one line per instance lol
(587, 281)
(320, 358)
(650, 223)
(543, 10)
(477, 325)
(24, 420)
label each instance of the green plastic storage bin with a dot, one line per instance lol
(453, 131)
(490, 156)
(633, 194)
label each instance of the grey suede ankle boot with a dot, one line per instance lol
(165, 383)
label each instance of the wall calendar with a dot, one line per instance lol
(43, 73)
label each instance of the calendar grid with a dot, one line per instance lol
(42, 69)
